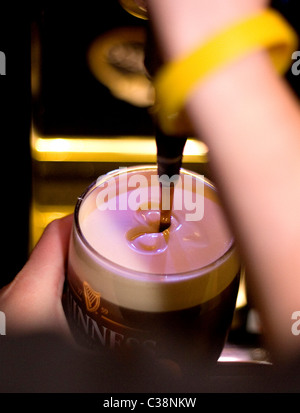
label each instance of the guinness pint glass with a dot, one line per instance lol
(130, 286)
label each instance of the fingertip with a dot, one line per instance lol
(59, 226)
(53, 245)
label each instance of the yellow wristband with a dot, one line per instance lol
(177, 79)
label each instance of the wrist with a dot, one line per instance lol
(266, 30)
(181, 26)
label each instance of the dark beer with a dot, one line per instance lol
(173, 292)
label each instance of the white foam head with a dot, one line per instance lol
(123, 253)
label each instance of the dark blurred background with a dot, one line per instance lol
(15, 113)
(71, 100)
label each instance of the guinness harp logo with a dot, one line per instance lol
(92, 298)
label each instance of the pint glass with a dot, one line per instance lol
(130, 286)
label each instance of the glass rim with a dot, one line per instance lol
(140, 275)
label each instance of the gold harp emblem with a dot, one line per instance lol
(92, 298)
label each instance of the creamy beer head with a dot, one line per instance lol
(119, 252)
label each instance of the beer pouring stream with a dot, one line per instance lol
(169, 160)
(169, 149)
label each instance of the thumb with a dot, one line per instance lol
(32, 301)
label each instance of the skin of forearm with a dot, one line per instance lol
(249, 119)
(251, 122)
(183, 25)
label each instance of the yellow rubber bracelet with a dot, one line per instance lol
(174, 82)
